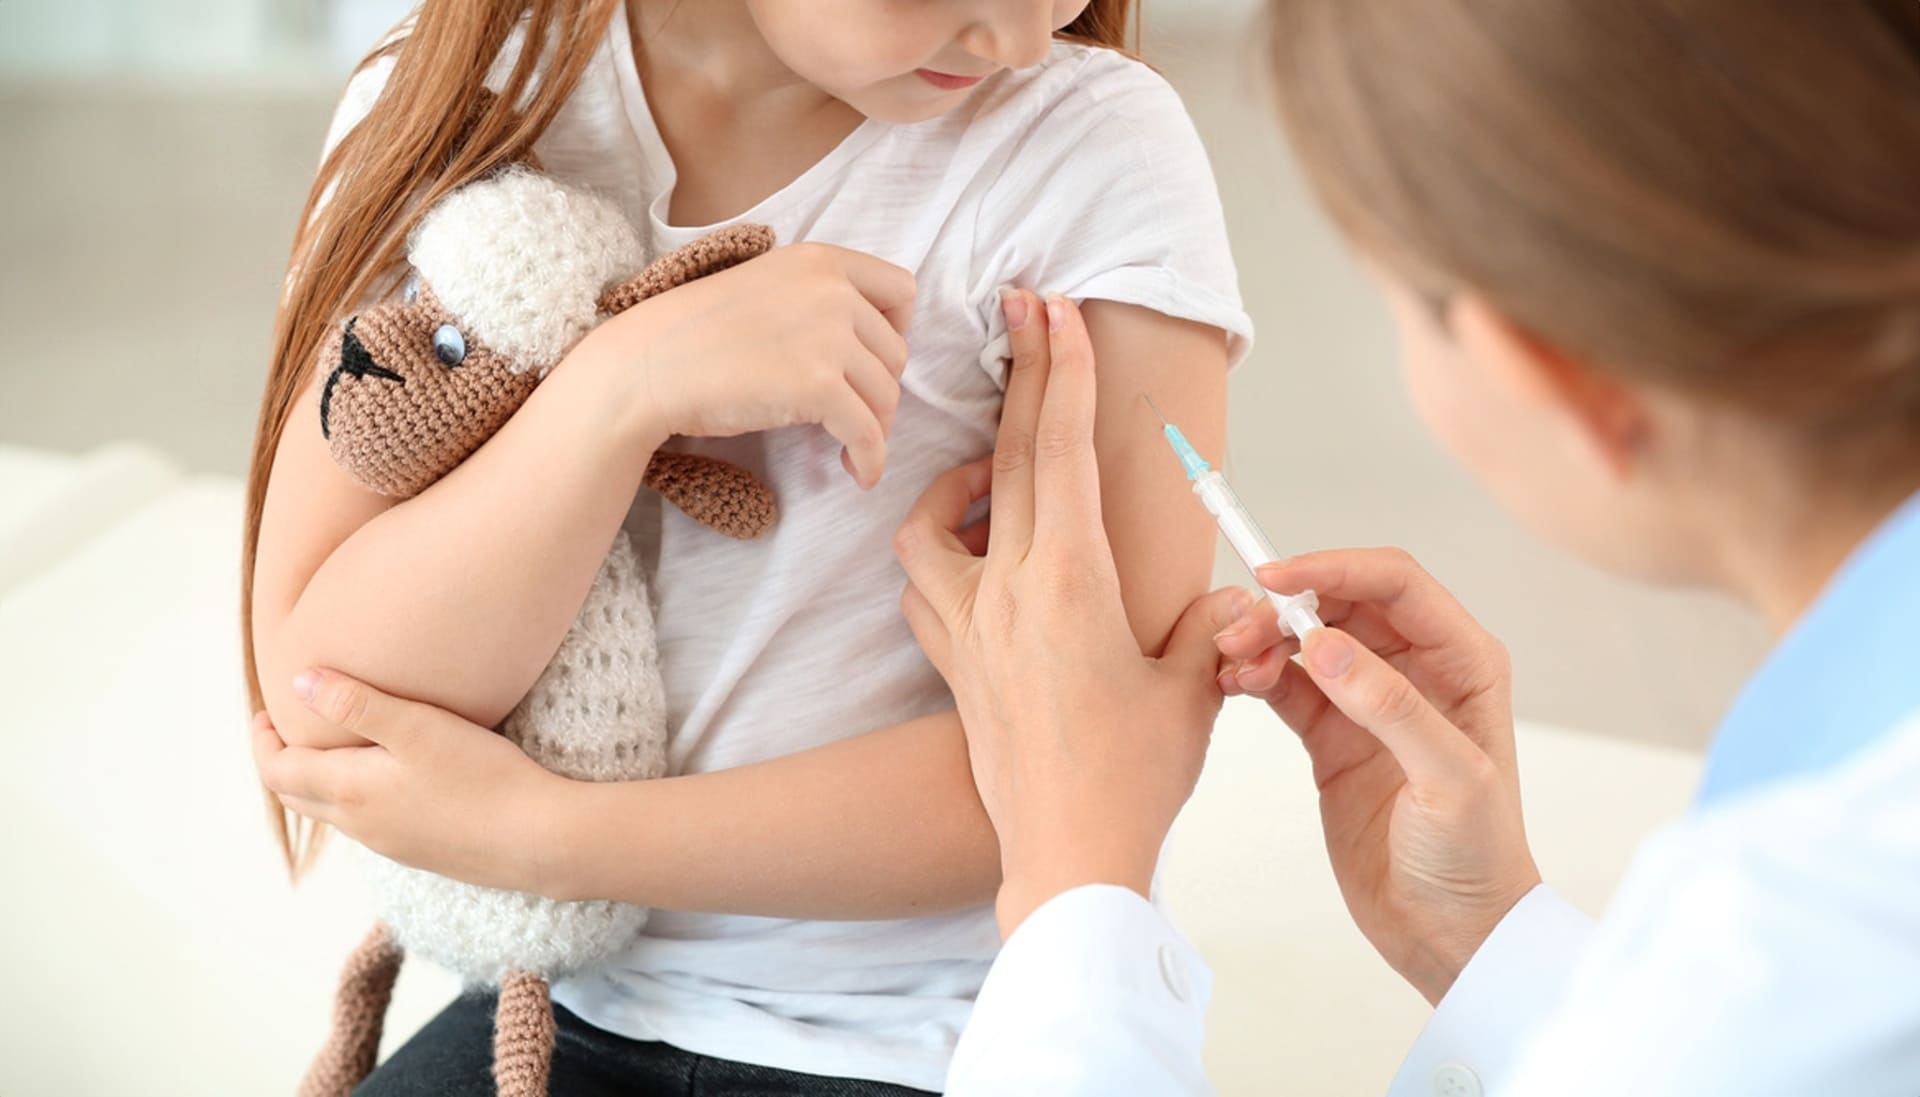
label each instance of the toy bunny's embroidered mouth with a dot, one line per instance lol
(354, 362)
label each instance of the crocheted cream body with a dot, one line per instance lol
(512, 271)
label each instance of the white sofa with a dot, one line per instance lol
(154, 947)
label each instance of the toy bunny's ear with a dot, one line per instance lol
(710, 254)
(719, 495)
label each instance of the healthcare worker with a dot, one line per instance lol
(1656, 269)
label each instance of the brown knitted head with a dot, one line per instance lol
(409, 395)
(411, 389)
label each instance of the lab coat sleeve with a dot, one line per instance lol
(1095, 993)
(1473, 1042)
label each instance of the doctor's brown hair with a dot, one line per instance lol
(1719, 196)
(401, 159)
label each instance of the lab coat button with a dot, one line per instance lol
(1173, 974)
(1454, 1080)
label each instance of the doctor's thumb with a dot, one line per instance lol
(1191, 645)
(1371, 693)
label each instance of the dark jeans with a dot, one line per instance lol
(453, 1057)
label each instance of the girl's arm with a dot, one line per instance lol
(458, 596)
(888, 824)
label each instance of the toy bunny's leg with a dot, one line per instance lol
(359, 1012)
(523, 1033)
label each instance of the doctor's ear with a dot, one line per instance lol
(1612, 416)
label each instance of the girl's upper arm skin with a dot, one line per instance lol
(1162, 538)
(312, 506)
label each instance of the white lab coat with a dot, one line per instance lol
(1769, 944)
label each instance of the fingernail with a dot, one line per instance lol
(1328, 655)
(1229, 682)
(304, 683)
(1056, 312)
(1013, 305)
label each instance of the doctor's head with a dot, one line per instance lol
(1645, 257)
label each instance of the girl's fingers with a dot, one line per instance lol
(849, 419)
(1414, 602)
(889, 288)
(1066, 475)
(353, 706)
(875, 383)
(1019, 417)
(312, 775)
(887, 346)
(310, 809)
(1380, 699)
(938, 564)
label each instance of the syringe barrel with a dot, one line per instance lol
(1297, 612)
(1248, 542)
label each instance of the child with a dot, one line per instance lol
(914, 158)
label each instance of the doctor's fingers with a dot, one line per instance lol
(930, 629)
(1066, 473)
(929, 543)
(1380, 699)
(1019, 417)
(1411, 600)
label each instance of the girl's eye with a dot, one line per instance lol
(449, 345)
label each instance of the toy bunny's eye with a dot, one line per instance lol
(449, 345)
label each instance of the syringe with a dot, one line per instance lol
(1299, 613)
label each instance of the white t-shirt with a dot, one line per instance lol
(1081, 176)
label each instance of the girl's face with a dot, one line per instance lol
(908, 60)
(1579, 458)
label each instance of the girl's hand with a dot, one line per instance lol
(1082, 748)
(1406, 710)
(807, 333)
(433, 791)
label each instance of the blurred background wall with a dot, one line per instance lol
(158, 151)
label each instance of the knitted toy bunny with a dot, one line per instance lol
(510, 272)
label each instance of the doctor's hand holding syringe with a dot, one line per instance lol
(1084, 750)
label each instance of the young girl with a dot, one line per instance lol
(914, 157)
(1656, 271)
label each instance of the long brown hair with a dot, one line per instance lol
(1721, 195)
(401, 159)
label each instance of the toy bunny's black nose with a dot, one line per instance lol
(354, 362)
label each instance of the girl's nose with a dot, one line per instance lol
(1016, 34)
